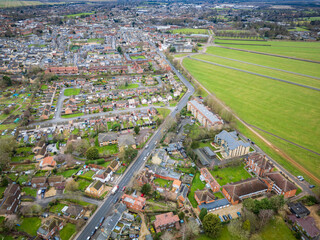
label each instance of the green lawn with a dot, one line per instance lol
(89, 174)
(190, 31)
(68, 230)
(68, 173)
(130, 86)
(138, 57)
(96, 40)
(276, 229)
(108, 149)
(44, 87)
(29, 191)
(196, 185)
(71, 91)
(57, 208)
(2, 189)
(245, 94)
(72, 115)
(300, 29)
(180, 55)
(261, 70)
(83, 184)
(230, 174)
(14, 3)
(164, 112)
(207, 144)
(304, 50)
(30, 225)
(219, 195)
(79, 14)
(162, 182)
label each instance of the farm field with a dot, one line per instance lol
(273, 106)
(190, 31)
(304, 50)
(261, 70)
(307, 68)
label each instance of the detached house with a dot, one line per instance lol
(39, 182)
(107, 138)
(50, 227)
(95, 189)
(135, 203)
(166, 221)
(11, 199)
(103, 175)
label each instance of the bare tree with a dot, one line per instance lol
(264, 216)
(72, 185)
(167, 236)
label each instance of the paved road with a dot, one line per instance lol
(278, 69)
(257, 74)
(110, 201)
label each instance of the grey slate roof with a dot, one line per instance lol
(209, 115)
(231, 139)
(215, 204)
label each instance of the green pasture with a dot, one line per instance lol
(304, 50)
(286, 110)
(261, 70)
(307, 68)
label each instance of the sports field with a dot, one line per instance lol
(286, 110)
(190, 31)
(71, 91)
(304, 50)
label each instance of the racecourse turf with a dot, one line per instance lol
(286, 110)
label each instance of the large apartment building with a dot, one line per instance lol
(204, 115)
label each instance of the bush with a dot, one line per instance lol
(92, 153)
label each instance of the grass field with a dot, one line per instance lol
(68, 230)
(164, 112)
(138, 57)
(68, 173)
(273, 106)
(162, 182)
(261, 70)
(44, 87)
(109, 149)
(29, 191)
(196, 185)
(304, 50)
(30, 225)
(96, 40)
(79, 14)
(230, 174)
(71, 91)
(307, 68)
(130, 86)
(14, 3)
(72, 115)
(190, 31)
(274, 230)
(83, 184)
(298, 29)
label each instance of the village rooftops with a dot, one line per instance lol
(215, 205)
(281, 181)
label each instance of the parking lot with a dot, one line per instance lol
(232, 210)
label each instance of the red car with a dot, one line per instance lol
(142, 195)
(124, 188)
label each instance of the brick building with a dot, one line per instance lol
(166, 221)
(214, 185)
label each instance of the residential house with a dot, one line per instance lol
(204, 196)
(103, 175)
(40, 153)
(114, 165)
(74, 211)
(107, 138)
(134, 203)
(111, 222)
(182, 194)
(259, 164)
(176, 185)
(279, 184)
(159, 156)
(232, 147)
(306, 225)
(206, 175)
(167, 174)
(95, 189)
(50, 227)
(166, 221)
(47, 163)
(56, 181)
(39, 182)
(126, 140)
(241, 190)
(143, 136)
(11, 199)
